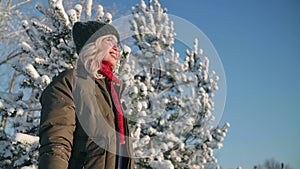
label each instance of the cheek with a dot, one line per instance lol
(104, 47)
(106, 56)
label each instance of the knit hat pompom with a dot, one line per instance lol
(88, 32)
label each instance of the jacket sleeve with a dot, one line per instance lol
(57, 124)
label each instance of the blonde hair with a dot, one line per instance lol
(92, 55)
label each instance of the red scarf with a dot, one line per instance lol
(106, 70)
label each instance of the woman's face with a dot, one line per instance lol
(110, 45)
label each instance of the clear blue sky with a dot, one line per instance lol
(258, 42)
(259, 45)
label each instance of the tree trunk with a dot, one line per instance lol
(11, 89)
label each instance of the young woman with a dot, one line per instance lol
(82, 123)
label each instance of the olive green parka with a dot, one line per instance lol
(78, 125)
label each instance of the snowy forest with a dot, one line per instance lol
(169, 96)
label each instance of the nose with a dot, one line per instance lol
(115, 47)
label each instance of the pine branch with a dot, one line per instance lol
(10, 56)
(7, 36)
(7, 8)
(20, 4)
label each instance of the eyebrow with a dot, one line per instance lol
(112, 36)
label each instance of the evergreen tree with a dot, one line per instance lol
(169, 98)
(48, 51)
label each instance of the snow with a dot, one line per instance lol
(78, 9)
(99, 12)
(41, 27)
(126, 49)
(39, 60)
(72, 15)
(45, 80)
(20, 112)
(30, 167)
(139, 106)
(32, 72)
(145, 105)
(59, 6)
(226, 126)
(88, 12)
(25, 24)
(26, 139)
(142, 114)
(145, 140)
(143, 5)
(26, 47)
(108, 17)
(164, 164)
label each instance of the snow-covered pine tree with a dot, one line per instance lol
(169, 98)
(48, 50)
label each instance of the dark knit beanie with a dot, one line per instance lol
(88, 32)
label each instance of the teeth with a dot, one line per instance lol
(114, 55)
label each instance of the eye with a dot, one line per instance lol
(110, 39)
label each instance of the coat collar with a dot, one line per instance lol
(80, 70)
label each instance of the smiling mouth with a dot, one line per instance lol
(114, 55)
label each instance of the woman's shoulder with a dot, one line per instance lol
(62, 80)
(59, 91)
(64, 77)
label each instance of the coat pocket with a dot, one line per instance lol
(87, 154)
(95, 156)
